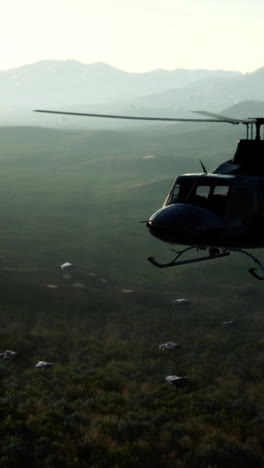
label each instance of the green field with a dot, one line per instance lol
(78, 196)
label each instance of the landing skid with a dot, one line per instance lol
(213, 253)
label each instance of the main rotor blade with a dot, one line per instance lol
(220, 117)
(109, 116)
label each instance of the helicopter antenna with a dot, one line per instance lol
(203, 167)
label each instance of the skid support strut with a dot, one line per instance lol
(213, 254)
(252, 271)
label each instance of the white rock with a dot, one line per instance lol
(181, 301)
(229, 322)
(65, 265)
(169, 345)
(8, 354)
(79, 285)
(44, 364)
(175, 379)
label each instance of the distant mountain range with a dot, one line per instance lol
(70, 82)
(212, 93)
(72, 85)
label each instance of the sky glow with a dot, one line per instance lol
(134, 35)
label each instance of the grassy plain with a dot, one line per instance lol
(78, 197)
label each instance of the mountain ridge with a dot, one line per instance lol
(101, 88)
(71, 82)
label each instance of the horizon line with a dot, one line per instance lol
(126, 71)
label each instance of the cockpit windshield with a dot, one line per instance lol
(180, 192)
(210, 195)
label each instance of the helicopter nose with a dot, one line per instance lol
(183, 224)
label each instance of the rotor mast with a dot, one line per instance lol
(258, 122)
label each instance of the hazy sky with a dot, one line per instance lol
(134, 35)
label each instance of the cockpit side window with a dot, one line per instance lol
(203, 191)
(199, 195)
(211, 197)
(221, 190)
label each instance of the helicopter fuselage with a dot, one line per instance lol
(222, 211)
(212, 210)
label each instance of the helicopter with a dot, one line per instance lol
(219, 212)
